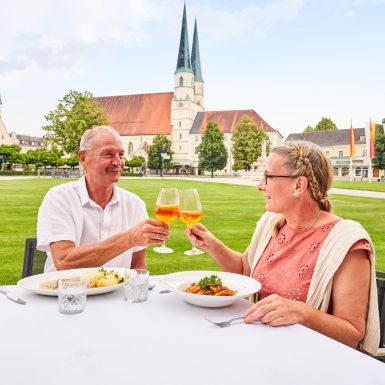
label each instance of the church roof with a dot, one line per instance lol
(195, 57)
(183, 62)
(143, 114)
(330, 137)
(227, 120)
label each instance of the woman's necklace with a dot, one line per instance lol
(316, 220)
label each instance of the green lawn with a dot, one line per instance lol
(358, 185)
(230, 213)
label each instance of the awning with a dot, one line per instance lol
(181, 162)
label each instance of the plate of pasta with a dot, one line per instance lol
(100, 280)
(210, 288)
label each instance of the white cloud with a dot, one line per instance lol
(351, 13)
(248, 22)
(369, 2)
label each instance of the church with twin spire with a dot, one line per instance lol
(180, 115)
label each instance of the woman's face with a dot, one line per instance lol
(278, 185)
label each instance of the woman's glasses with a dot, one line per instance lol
(270, 176)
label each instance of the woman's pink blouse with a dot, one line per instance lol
(287, 264)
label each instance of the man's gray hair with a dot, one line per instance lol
(87, 138)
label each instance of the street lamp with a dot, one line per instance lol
(164, 155)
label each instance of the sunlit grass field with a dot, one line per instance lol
(360, 185)
(230, 212)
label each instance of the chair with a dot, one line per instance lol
(380, 278)
(34, 260)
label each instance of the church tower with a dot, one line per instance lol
(185, 104)
(197, 70)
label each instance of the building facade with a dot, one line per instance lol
(336, 145)
(180, 115)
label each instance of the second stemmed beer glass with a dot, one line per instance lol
(190, 212)
(166, 210)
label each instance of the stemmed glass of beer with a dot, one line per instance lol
(190, 212)
(166, 210)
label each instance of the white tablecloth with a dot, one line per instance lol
(165, 341)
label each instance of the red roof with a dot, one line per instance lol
(228, 120)
(143, 114)
(150, 114)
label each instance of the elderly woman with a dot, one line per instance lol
(315, 268)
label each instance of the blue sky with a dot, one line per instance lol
(292, 61)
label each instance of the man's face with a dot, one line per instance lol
(104, 161)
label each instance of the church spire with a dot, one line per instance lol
(183, 63)
(195, 57)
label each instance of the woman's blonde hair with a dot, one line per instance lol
(307, 159)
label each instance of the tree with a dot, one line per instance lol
(308, 129)
(136, 161)
(212, 151)
(160, 144)
(12, 154)
(247, 144)
(72, 161)
(325, 124)
(379, 145)
(75, 113)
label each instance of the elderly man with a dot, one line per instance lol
(92, 222)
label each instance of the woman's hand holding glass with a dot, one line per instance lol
(190, 212)
(167, 211)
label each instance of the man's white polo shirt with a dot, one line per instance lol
(68, 213)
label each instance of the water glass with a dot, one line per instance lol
(72, 295)
(136, 285)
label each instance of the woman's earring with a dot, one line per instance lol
(294, 195)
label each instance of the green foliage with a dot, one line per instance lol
(247, 144)
(160, 143)
(212, 151)
(309, 128)
(325, 124)
(75, 113)
(136, 161)
(379, 145)
(12, 153)
(72, 161)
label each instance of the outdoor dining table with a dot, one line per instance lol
(165, 341)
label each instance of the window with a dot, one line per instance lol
(340, 153)
(358, 172)
(196, 150)
(345, 171)
(197, 138)
(362, 138)
(180, 147)
(335, 171)
(130, 148)
(145, 146)
(180, 124)
(364, 152)
(181, 81)
(327, 153)
(180, 136)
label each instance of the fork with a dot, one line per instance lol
(224, 324)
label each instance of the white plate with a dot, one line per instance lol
(32, 283)
(244, 286)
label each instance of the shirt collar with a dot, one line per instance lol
(85, 198)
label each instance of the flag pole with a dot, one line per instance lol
(352, 150)
(369, 154)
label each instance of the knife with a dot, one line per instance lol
(12, 297)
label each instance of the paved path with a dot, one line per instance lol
(241, 181)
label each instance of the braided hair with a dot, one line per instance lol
(307, 159)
